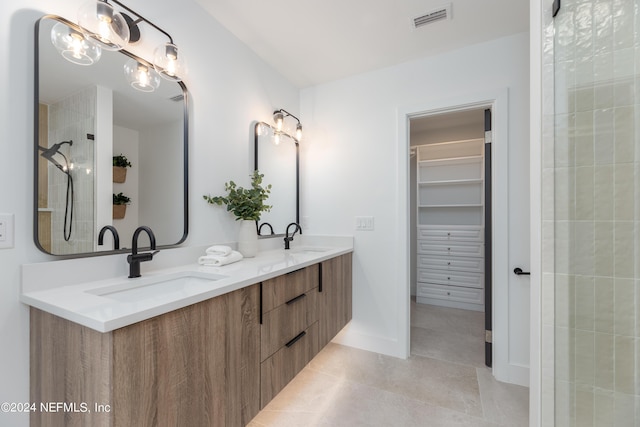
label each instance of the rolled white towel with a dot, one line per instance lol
(218, 250)
(218, 260)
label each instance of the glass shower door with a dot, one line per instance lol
(593, 214)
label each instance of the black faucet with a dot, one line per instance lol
(288, 239)
(262, 225)
(135, 258)
(116, 238)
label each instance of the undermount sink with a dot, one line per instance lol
(310, 249)
(178, 284)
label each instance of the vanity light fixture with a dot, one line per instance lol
(141, 76)
(104, 27)
(104, 24)
(278, 118)
(73, 46)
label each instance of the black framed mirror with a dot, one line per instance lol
(83, 117)
(277, 157)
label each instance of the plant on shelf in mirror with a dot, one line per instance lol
(120, 202)
(246, 204)
(120, 165)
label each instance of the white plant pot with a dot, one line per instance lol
(248, 239)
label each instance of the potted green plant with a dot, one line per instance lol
(120, 165)
(247, 204)
(120, 202)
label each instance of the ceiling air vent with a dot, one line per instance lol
(439, 14)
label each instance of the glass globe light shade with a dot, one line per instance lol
(104, 25)
(298, 132)
(168, 63)
(73, 46)
(140, 76)
(278, 118)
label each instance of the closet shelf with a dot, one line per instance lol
(470, 205)
(452, 160)
(451, 182)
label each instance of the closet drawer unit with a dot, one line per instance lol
(287, 320)
(282, 366)
(475, 265)
(455, 278)
(451, 293)
(451, 234)
(463, 249)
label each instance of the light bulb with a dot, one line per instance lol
(168, 63)
(278, 118)
(276, 138)
(140, 76)
(298, 132)
(104, 25)
(73, 46)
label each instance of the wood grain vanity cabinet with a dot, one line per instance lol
(214, 363)
(196, 366)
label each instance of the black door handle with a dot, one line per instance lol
(519, 272)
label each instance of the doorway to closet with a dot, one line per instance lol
(450, 238)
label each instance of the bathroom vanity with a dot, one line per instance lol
(216, 361)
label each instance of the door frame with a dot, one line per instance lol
(498, 101)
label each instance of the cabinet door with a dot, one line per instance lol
(280, 368)
(281, 289)
(334, 297)
(196, 366)
(286, 321)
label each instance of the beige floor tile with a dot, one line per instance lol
(439, 382)
(505, 404)
(443, 384)
(317, 399)
(451, 346)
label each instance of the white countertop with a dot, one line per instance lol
(82, 303)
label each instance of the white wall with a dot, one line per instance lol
(229, 86)
(349, 168)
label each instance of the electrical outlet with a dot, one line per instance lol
(364, 223)
(6, 231)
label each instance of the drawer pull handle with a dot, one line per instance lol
(295, 271)
(292, 300)
(296, 338)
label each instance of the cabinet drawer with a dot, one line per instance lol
(475, 265)
(286, 321)
(451, 293)
(457, 278)
(428, 247)
(281, 367)
(448, 233)
(281, 289)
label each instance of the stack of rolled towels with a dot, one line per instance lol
(219, 255)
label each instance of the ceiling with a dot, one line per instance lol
(313, 42)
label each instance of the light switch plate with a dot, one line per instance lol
(6, 231)
(364, 223)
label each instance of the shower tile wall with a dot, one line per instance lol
(591, 215)
(72, 119)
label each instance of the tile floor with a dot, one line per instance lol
(443, 383)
